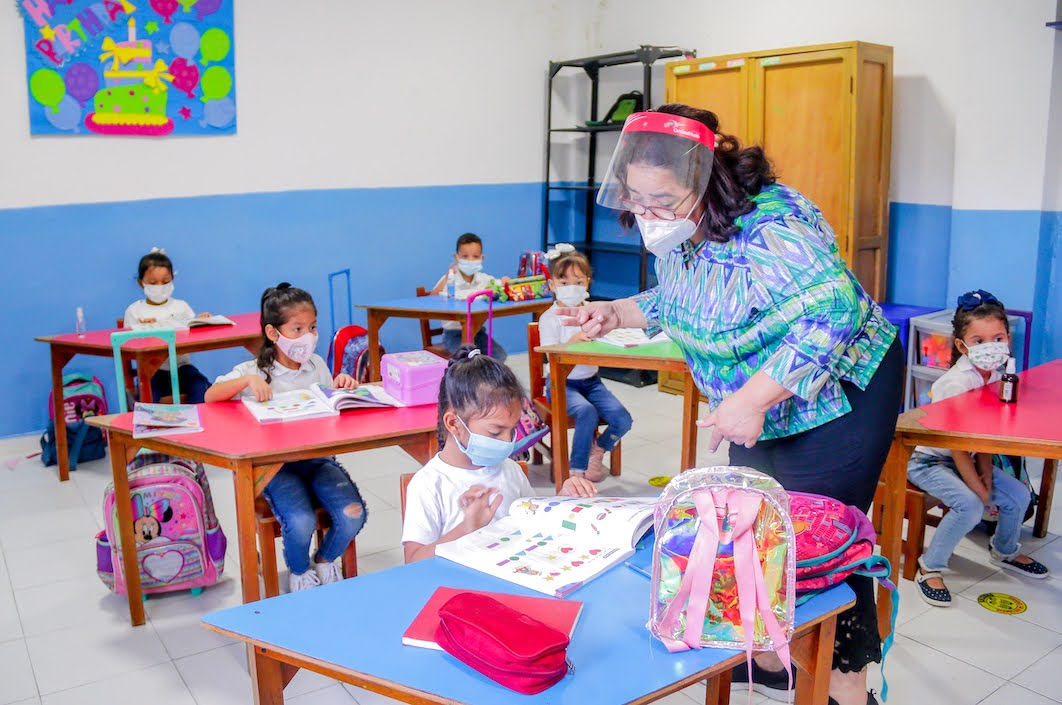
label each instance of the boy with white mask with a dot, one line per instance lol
(469, 277)
(589, 400)
(159, 310)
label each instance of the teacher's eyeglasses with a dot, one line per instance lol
(660, 212)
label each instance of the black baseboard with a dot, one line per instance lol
(635, 378)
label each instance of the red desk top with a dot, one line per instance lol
(247, 325)
(229, 429)
(1035, 416)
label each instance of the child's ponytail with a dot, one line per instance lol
(474, 384)
(276, 306)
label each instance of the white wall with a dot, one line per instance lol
(350, 94)
(972, 78)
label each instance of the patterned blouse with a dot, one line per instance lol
(776, 297)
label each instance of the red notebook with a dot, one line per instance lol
(559, 614)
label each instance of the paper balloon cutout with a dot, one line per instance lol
(185, 76)
(184, 40)
(82, 82)
(215, 44)
(219, 113)
(165, 8)
(216, 83)
(47, 88)
(206, 7)
(66, 116)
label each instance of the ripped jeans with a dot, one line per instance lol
(294, 493)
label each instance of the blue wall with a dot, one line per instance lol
(226, 250)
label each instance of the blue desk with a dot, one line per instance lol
(439, 308)
(616, 659)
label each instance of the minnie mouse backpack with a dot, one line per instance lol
(179, 543)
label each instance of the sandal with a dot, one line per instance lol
(938, 597)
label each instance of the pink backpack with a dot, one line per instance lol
(180, 544)
(83, 396)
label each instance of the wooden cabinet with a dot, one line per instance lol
(823, 114)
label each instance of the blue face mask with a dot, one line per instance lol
(485, 451)
(469, 267)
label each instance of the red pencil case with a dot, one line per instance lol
(509, 647)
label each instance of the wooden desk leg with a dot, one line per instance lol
(891, 537)
(813, 653)
(422, 448)
(558, 376)
(146, 367)
(375, 321)
(691, 399)
(243, 478)
(718, 690)
(126, 541)
(267, 676)
(59, 360)
(1047, 494)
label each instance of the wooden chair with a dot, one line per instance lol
(536, 363)
(403, 484)
(916, 506)
(428, 333)
(269, 531)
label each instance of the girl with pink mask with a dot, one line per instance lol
(287, 361)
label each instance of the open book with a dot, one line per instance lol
(318, 401)
(164, 419)
(555, 544)
(210, 321)
(631, 337)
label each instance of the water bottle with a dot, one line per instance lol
(451, 280)
(80, 324)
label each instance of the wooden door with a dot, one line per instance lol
(800, 112)
(719, 85)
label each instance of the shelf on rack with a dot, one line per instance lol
(551, 187)
(645, 54)
(616, 247)
(611, 127)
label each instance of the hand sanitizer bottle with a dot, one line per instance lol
(450, 284)
(1008, 384)
(80, 323)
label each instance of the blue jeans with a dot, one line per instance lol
(295, 491)
(938, 477)
(191, 381)
(452, 340)
(589, 402)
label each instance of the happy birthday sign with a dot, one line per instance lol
(153, 68)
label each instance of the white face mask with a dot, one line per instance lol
(158, 293)
(469, 267)
(988, 356)
(572, 295)
(298, 349)
(662, 236)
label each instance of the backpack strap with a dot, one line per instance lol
(75, 442)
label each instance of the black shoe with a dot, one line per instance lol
(871, 700)
(773, 684)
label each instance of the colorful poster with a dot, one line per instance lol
(150, 68)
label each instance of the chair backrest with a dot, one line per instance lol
(536, 361)
(404, 478)
(427, 331)
(167, 336)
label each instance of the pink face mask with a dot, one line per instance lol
(298, 349)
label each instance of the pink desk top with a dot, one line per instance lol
(1037, 415)
(230, 430)
(247, 325)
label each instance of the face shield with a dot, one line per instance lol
(661, 167)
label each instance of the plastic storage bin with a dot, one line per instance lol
(413, 377)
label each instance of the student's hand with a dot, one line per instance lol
(344, 381)
(578, 337)
(578, 487)
(479, 506)
(147, 320)
(504, 280)
(260, 387)
(596, 318)
(204, 314)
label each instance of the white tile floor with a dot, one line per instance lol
(64, 639)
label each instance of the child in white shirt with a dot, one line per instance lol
(472, 481)
(469, 277)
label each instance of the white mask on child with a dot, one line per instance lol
(158, 293)
(572, 295)
(298, 349)
(988, 356)
(469, 267)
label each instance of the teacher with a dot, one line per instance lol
(802, 371)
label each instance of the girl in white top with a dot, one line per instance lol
(158, 309)
(966, 483)
(472, 481)
(286, 361)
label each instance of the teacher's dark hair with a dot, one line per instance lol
(738, 173)
(278, 305)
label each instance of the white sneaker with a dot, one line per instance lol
(305, 581)
(327, 573)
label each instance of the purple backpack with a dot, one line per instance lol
(179, 543)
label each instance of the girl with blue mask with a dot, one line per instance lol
(472, 481)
